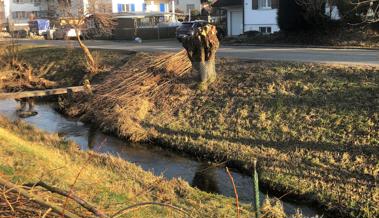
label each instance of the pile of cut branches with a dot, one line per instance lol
(145, 84)
(21, 207)
(16, 75)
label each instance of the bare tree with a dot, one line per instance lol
(368, 9)
(201, 50)
(359, 12)
(88, 19)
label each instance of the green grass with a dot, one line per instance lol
(29, 155)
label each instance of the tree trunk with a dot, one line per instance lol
(201, 50)
(207, 71)
(89, 58)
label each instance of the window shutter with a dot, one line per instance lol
(162, 7)
(255, 4)
(144, 6)
(119, 8)
(275, 4)
(132, 7)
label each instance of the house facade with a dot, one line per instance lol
(142, 6)
(250, 15)
(17, 13)
(186, 6)
(256, 15)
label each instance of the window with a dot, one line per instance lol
(125, 8)
(264, 4)
(144, 7)
(265, 29)
(21, 15)
(190, 7)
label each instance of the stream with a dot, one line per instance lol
(198, 174)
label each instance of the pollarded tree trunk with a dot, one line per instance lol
(201, 49)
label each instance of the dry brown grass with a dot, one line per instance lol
(14, 205)
(28, 155)
(313, 128)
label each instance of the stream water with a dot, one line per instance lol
(151, 158)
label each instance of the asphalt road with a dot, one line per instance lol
(316, 55)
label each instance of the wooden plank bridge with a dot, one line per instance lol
(41, 93)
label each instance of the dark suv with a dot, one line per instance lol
(188, 28)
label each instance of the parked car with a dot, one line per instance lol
(188, 29)
(39, 26)
(65, 32)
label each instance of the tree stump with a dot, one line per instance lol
(201, 49)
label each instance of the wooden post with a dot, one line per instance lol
(256, 191)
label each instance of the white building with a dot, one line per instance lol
(138, 6)
(256, 15)
(250, 15)
(18, 12)
(188, 5)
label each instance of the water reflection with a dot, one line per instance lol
(205, 179)
(92, 137)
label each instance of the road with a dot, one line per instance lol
(316, 55)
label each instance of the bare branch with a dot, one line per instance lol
(70, 195)
(37, 199)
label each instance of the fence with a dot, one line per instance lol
(129, 29)
(144, 33)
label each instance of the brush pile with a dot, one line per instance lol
(16, 75)
(13, 204)
(146, 84)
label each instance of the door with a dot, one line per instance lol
(236, 22)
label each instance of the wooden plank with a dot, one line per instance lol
(40, 93)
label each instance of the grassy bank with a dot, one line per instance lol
(29, 155)
(313, 128)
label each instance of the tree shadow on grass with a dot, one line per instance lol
(354, 99)
(291, 146)
(284, 146)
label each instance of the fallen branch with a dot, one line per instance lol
(235, 191)
(72, 196)
(136, 206)
(37, 199)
